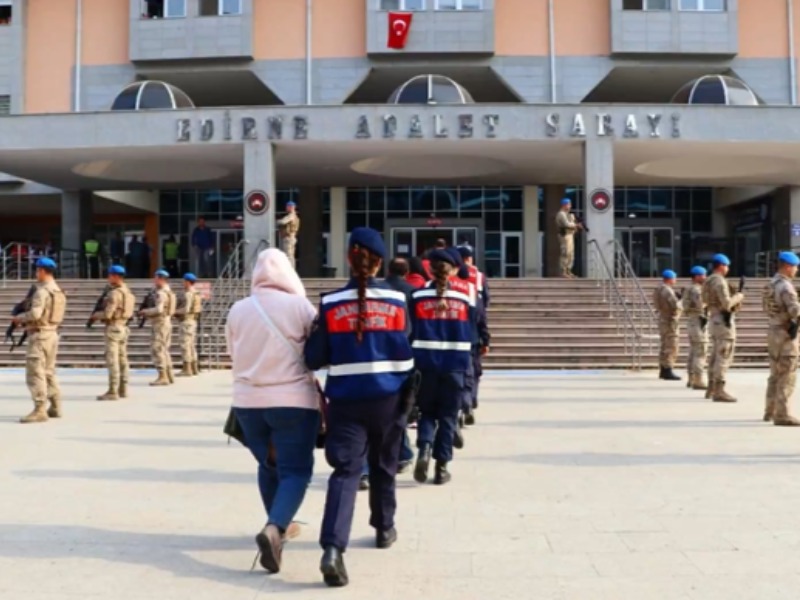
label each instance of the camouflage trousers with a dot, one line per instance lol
(567, 257)
(698, 348)
(783, 353)
(40, 366)
(668, 353)
(160, 343)
(117, 355)
(723, 342)
(289, 247)
(188, 341)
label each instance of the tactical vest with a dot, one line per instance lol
(475, 278)
(197, 304)
(443, 339)
(171, 303)
(768, 303)
(128, 303)
(377, 366)
(58, 306)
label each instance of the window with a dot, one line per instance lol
(458, 4)
(163, 9)
(646, 4)
(213, 8)
(703, 5)
(5, 105)
(5, 12)
(402, 4)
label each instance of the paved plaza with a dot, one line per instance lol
(573, 486)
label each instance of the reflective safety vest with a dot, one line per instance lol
(443, 338)
(91, 247)
(171, 250)
(377, 366)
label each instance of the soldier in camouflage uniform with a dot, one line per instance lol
(118, 308)
(721, 303)
(783, 309)
(41, 321)
(696, 323)
(188, 312)
(289, 226)
(668, 306)
(160, 317)
(567, 226)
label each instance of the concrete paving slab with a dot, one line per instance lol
(573, 486)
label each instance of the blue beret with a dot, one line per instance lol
(46, 263)
(440, 255)
(370, 239)
(456, 256)
(190, 277)
(721, 259)
(698, 271)
(291, 203)
(565, 201)
(466, 251)
(162, 273)
(669, 274)
(790, 258)
(116, 270)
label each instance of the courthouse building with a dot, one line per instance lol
(670, 123)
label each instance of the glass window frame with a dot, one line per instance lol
(402, 5)
(459, 6)
(169, 15)
(701, 7)
(221, 6)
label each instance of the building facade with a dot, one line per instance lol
(671, 124)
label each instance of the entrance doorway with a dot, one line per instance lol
(227, 240)
(416, 241)
(650, 250)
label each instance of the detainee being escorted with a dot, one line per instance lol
(722, 303)
(41, 321)
(160, 317)
(362, 336)
(668, 306)
(188, 312)
(119, 307)
(696, 324)
(567, 227)
(783, 309)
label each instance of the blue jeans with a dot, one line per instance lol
(293, 434)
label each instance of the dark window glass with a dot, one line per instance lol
(638, 201)
(512, 220)
(686, 222)
(415, 92)
(494, 198)
(514, 198)
(492, 267)
(682, 97)
(376, 200)
(356, 220)
(422, 202)
(493, 221)
(683, 199)
(356, 199)
(701, 198)
(188, 201)
(168, 224)
(398, 201)
(471, 201)
(168, 202)
(154, 95)
(181, 99)
(619, 202)
(326, 200)
(661, 202)
(377, 221)
(447, 202)
(126, 100)
(326, 222)
(709, 91)
(701, 221)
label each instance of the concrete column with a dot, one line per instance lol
(598, 163)
(338, 253)
(259, 175)
(309, 207)
(552, 204)
(794, 218)
(76, 219)
(530, 231)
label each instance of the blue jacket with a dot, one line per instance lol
(380, 364)
(443, 341)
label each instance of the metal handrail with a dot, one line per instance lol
(768, 258)
(620, 311)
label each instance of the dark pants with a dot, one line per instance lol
(172, 267)
(372, 428)
(477, 368)
(468, 391)
(439, 399)
(293, 434)
(406, 454)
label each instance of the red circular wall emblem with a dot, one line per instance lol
(257, 202)
(600, 200)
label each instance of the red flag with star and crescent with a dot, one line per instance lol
(399, 24)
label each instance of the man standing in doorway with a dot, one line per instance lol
(289, 226)
(567, 226)
(668, 305)
(722, 303)
(696, 324)
(91, 253)
(117, 249)
(203, 245)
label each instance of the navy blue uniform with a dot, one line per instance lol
(363, 388)
(442, 343)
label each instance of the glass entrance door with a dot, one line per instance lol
(650, 250)
(227, 240)
(416, 241)
(511, 255)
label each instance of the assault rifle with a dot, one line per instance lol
(794, 325)
(148, 302)
(19, 308)
(727, 315)
(582, 223)
(98, 306)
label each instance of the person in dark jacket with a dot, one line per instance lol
(361, 335)
(417, 275)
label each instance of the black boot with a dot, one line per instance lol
(661, 371)
(385, 539)
(670, 375)
(458, 437)
(423, 463)
(332, 567)
(442, 474)
(469, 417)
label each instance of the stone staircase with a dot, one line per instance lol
(536, 324)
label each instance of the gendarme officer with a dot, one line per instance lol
(668, 306)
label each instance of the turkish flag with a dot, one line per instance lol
(399, 24)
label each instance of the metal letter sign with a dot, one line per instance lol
(795, 229)
(256, 202)
(600, 200)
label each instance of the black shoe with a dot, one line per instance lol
(661, 372)
(442, 474)
(385, 539)
(458, 437)
(423, 463)
(669, 375)
(363, 484)
(332, 567)
(270, 545)
(469, 418)
(404, 466)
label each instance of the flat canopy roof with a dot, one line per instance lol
(354, 145)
